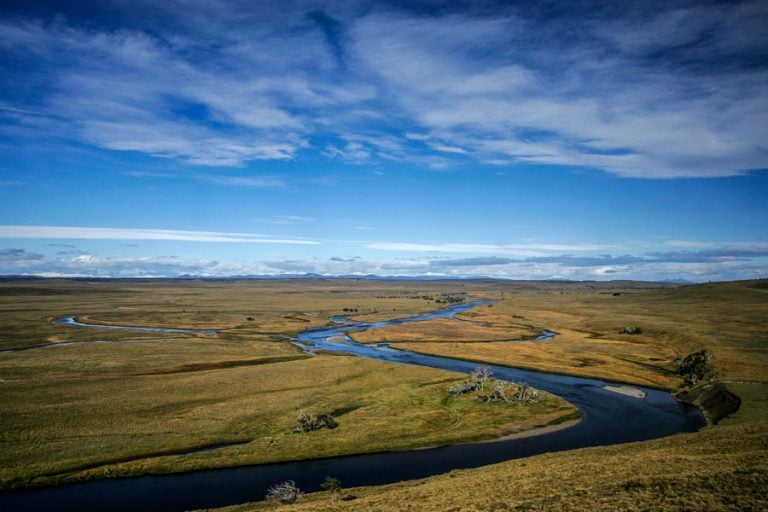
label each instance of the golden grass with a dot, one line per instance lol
(273, 306)
(567, 354)
(718, 469)
(90, 409)
(728, 319)
(82, 424)
(442, 330)
(117, 403)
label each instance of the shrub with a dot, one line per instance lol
(327, 421)
(332, 485)
(307, 423)
(695, 366)
(462, 388)
(304, 422)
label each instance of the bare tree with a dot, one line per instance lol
(481, 374)
(284, 492)
(500, 391)
(526, 393)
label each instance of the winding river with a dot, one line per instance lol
(607, 418)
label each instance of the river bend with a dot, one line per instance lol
(607, 418)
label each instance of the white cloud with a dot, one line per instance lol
(576, 103)
(676, 91)
(246, 181)
(63, 232)
(291, 219)
(722, 263)
(529, 249)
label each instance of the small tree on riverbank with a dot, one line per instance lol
(332, 485)
(481, 375)
(500, 392)
(525, 393)
(284, 492)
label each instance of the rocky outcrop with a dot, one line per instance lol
(713, 398)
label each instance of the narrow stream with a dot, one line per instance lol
(607, 418)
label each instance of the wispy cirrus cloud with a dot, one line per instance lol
(645, 107)
(643, 90)
(530, 248)
(91, 233)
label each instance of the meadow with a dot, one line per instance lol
(123, 403)
(721, 468)
(84, 403)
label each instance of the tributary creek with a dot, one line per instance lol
(607, 418)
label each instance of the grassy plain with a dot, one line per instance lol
(721, 468)
(82, 403)
(91, 409)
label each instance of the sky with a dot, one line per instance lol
(521, 140)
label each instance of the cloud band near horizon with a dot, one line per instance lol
(90, 233)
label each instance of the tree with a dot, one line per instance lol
(526, 393)
(500, 391)
(481, 374)
(332, 485)
(284, 492)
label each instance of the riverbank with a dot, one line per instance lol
(718, 470)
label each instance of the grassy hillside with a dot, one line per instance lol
(719, 469)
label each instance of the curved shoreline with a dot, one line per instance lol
(535, 431)
(73, 320)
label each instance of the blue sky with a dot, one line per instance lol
(521, 140)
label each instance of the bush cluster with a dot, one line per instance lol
(695, 366)
(307, 423)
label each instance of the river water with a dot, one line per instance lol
(607, 418)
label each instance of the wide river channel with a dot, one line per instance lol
(608, 417)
